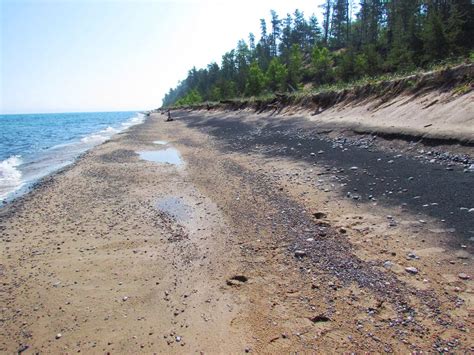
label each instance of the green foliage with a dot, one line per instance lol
(191, 98)
(435, 43)
(277, 75)
(295, 67)
(256, 80)
(321, 65)
(383, 37)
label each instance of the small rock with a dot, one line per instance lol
(411, 270)
(58, 336)
(300, 253)
(464, 276)
(319, 215)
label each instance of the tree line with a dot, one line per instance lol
(382, 36)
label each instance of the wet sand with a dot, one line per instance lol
(256, 242)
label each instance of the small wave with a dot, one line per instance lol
(100, 137)
(10, 176)
(107, 133)
(139, 118)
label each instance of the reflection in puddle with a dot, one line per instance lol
(174, 207)
(160, 142)
(167, 156)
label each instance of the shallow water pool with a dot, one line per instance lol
(164, 156)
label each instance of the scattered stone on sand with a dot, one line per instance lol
(463, 276)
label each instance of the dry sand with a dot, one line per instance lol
(90, 263)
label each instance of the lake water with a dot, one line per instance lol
(35, 145)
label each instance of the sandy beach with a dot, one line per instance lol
(242, 242)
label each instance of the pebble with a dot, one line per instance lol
(58, 336)
(411, 270)
(464, 276)
(300, 253)
(319, 215)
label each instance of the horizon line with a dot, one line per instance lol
(60, 112)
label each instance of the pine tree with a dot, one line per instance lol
(321, 65)
(327, 13)
(242, 59)
(256, 80)
(298, 34)
(295, 67)
(314, 31)
(276, 33)
(277, 75)
(339, 24)
(263, 47)
(286, 39)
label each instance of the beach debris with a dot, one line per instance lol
(237, 280)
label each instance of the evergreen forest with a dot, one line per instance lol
(355, 40)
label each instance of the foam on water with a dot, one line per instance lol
(10, 176)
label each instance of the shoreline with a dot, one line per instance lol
(31, 183)
(247, 246)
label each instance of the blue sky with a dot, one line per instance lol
(84, 55)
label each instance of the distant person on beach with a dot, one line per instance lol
(169, 119)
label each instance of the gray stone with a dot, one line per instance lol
(300, 253)
(411, 270)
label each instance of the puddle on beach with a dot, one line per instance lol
(160, 142)
(174, 207)
(165, 156)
